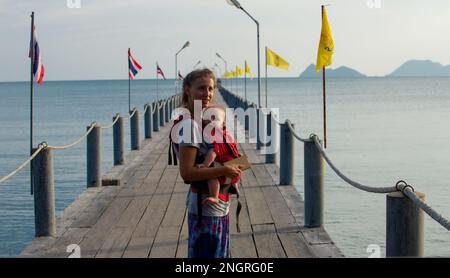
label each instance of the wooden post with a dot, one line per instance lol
(134, 131)
(314, 178)
(94, 157)
(118, 141)
(287, 153)
(166, 110)
(404, 226)
(258, 129)
(148, 121)
(162, 113)
(271, 157)
(44, 194)
(156, 116)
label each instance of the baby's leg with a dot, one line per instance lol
(213, 187)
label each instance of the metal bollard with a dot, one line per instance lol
(94, 156)
(118, 141)
(44, 194)
(134, 131)
(287, 151)
(314, 178)
(148, 121)
(404, 226)
(155, 116)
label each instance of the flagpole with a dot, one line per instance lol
(157, 93)
(129, 83)
(266, 77)
(324, 103)
(31, 99)
(245, 81)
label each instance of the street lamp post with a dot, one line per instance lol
(198, 63)
(237, 5)
(188, 43)
(226, 66)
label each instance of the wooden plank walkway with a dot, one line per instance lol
(145, 216)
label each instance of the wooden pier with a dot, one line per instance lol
(140, 212)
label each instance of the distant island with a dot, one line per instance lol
(421, 68)
(411, 68)
(343, 71)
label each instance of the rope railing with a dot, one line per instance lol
(25, 163)
(131, 115)
(116, 118)
(401, 186)
(94, 124)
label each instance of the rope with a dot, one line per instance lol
(131, 116)
(291, 128)
(13, 173)
(345, 178)
(76, 142)
(113, 123)
(408, 191)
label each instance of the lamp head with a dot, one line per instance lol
(187, 44)
(234, 3)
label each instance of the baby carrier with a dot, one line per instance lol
(224, 151)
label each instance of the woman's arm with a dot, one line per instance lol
(189, 172)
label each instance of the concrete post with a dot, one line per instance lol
(287, 153)
(44, 194)
(404, 226)
(314, 178)
(134, 131)
(148, 121)
(271, 157)
(118, 141)
(94, 157)
(167, 110)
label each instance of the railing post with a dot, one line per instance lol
(155, 116)
(166, 110)
(314, 178)
(44, 194)
(148, 121)
(94, 156)
(118, 141)
(134, 130)
(287, 152)
(272, 130)
(258, 128)
(162, 113)
(404, 226)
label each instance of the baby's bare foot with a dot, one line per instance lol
(210, 201)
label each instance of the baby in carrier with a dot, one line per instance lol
(221, 148)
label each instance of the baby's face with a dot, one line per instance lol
(216, 114)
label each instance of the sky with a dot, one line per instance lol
(91, 42)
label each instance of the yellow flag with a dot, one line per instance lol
(239, 71)
(247, 70)
(228, 74)
(326, 45)
(276, 60)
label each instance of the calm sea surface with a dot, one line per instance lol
(380, 130)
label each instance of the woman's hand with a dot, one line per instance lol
(233, 171)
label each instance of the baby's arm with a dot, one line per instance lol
(209, 158)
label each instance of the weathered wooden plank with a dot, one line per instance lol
(281, 215)
(166, 242)
(100, 231)
(71, 236)
(115, 244)
(294, 245)
(267, 243)
(257, 207)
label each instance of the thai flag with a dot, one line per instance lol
(38, 67)
(180, 77)
(159, 71)
(133, 66)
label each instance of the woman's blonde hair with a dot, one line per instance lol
(190, 79)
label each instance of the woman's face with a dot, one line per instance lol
(202, 89)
